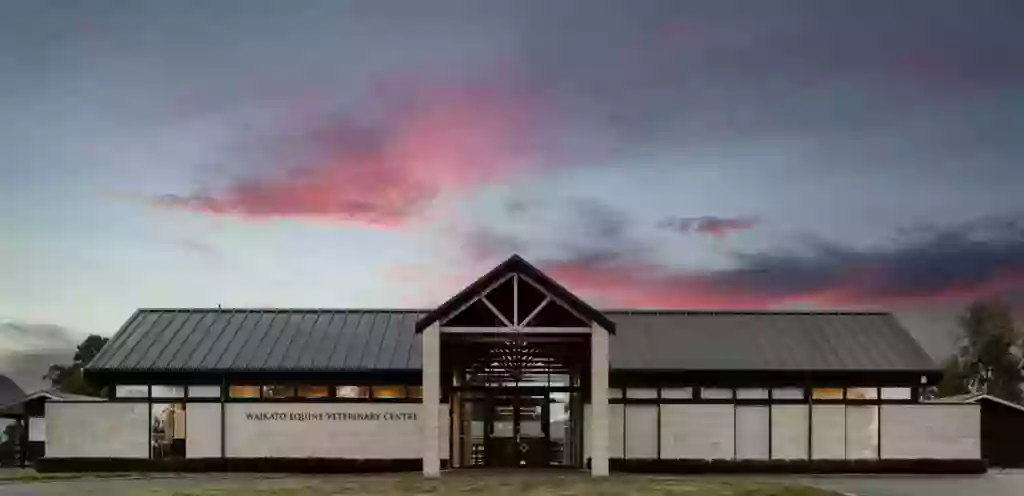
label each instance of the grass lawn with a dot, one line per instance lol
(487, 484)
(9, 475)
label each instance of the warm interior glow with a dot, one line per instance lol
(245, 391)
(313, 392)
(389, 392)
(827, 393)
(352, 392)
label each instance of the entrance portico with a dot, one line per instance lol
(516, 355)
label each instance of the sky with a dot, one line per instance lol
(384, 153)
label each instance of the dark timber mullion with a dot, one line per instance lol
(734, 429)
(878, 443)
(149, 421)
(659, 424)
(625, 395)
(771, 394)
(224, 393)
(809, 394)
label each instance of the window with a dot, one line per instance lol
(716, 394)
(827, 393)
(278, 392)
(131, 391)
(414, 392)
(204, 391)
(168, 431)
(245, 391)
(352, 392)
(680, 393)
(752, 394)
(787, 394)
(614, 393)
(642, 393)
(168, 391)
(313, 391)
(862, 393)
(896, 393)
(388, 392)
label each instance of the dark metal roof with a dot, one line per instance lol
(386, 340)
(9, 390)
(261, 340)
(516, 264)
(813, 341)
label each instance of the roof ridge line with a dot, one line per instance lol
(603, 310)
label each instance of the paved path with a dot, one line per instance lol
(1002, 483)
(995, 483)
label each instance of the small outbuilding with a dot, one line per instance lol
(28, 411)
(1002, 429)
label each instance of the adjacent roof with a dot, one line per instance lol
(515, 264)
(9, 390)
(975, 398)
(17, 407)
(386, 340)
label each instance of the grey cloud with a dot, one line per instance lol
(958, 260)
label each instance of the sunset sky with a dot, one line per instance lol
(718, 154)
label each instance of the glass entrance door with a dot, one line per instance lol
(517, 432)
(533, 445)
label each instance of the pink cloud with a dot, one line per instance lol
(383, 169)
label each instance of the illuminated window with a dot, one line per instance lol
(131, 391)
(168, 391)
(167, 428)
(313, 392)
(352, 392)
(414, 392)
(862, 393)
(896, 393)
(388, 392)
(827, 393)
(278, 392)
(244, 391)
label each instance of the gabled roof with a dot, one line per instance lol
(9, 390)
(977, 397)
(226, 340)
(16, 407)
(515, 265)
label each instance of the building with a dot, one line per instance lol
(1002, 429)
(512, 371)
(25, 411)
(13, 450)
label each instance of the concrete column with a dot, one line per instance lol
(431, 344)
(598, 401)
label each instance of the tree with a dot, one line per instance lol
(70, 378)
(11, 444)
(989, 358)
(954, 380)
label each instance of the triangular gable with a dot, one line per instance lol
(543, 300)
